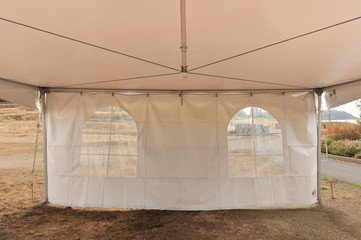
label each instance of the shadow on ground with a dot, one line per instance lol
(52, 222)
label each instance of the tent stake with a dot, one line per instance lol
(45, 144)
(319, 122)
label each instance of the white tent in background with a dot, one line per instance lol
(158, 104)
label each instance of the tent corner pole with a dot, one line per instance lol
(319, 142)
(43, 93)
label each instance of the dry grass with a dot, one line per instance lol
(18, 127)
(14, 112)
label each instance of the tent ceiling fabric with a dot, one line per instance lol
(146, 38)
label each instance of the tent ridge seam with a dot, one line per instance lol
(87, 43)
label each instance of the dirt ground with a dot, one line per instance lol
(22, 217)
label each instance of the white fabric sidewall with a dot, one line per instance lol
(182, 153)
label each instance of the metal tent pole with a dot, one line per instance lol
(319, 125)
(45, 144)
(184, 91)
(183, 36)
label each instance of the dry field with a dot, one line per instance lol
(24, 217)
(17, 125)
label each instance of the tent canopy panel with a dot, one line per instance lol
(48, 61)
(25, 95)
(151, 32)
(315, 61)
(240, 26)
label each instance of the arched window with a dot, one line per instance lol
(254, 141)
(109, 144)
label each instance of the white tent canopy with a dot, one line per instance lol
(137, 55)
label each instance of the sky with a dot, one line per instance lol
(350, 108)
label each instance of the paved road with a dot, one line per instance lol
(350, 172)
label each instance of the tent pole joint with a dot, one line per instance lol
(44, 90)
(184, 69)
(318, 91)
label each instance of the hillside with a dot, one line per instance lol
(337, 115)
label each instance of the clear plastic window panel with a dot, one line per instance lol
(109, 144)
(255, 147)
